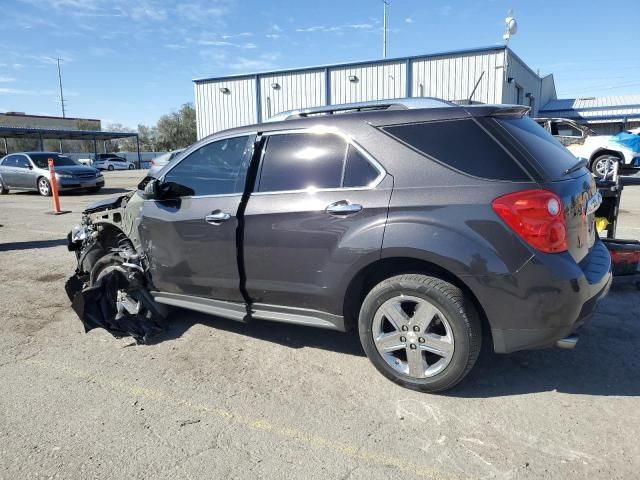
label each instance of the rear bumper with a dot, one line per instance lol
(511, 340)
(546, 300)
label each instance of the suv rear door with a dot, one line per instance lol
(191, 241)
(318, 209)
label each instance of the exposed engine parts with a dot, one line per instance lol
(110, 288)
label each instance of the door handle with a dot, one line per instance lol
(343, 208)
(216, 217)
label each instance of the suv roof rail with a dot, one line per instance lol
(391, 104)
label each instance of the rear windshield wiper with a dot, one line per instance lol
(582, 162)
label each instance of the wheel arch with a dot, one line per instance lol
(373, 273)
(604, 151)
(110, 238)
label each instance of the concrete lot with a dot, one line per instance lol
(216, 399)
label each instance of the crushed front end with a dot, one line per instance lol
(110, 287)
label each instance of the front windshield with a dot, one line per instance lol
(41, 161)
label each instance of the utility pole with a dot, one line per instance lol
(384, 30)
(60, 82)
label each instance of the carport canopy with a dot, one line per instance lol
(42, 134)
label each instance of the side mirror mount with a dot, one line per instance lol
(155, 189)
(149, 189)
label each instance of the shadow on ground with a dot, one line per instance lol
(31, 244)
(288, 335)
(605, 362)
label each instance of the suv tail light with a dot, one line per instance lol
(537, 216)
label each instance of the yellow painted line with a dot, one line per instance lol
(292, 434)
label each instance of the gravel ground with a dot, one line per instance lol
(217, 399)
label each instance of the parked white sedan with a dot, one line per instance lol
(113, 163)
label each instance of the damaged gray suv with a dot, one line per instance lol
(417, 228)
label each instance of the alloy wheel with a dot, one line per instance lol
(604, 166)
(43, 187)
(413, 336)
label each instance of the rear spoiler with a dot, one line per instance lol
(518, 111)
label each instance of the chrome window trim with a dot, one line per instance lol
(322, 130)
(195, 197)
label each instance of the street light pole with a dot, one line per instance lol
(60, 82)
(384, 30)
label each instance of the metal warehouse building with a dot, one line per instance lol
(605, 115)
(225, 102)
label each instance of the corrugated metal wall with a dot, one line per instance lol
(453, 77)
(374, 81)
(525, 78)
(293, 90)
(216, 110)
(450, 76)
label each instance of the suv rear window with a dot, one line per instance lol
(462, 145)
(548, 152)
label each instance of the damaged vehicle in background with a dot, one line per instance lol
(360, 218)
(599, 150)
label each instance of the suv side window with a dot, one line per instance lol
(299, 161)
(462, 145)
(565, 130)
(216, 168)
(358, 171)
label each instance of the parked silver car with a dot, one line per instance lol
(159, 162)
(30, 171)
(108, 161)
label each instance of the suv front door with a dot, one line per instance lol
(190, 241)
(318, 210)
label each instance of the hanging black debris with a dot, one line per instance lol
(118, 302)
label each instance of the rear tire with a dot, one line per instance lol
(132, 167)
(434, 339)
(3, 190)
(110, 168)
(44, 187)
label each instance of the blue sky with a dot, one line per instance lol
(129, 61)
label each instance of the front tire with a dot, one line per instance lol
(600, 165)
(3, 190)
(420, 332)
(131, 166)
(44, 187)
(94, 189)
(110, 168)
